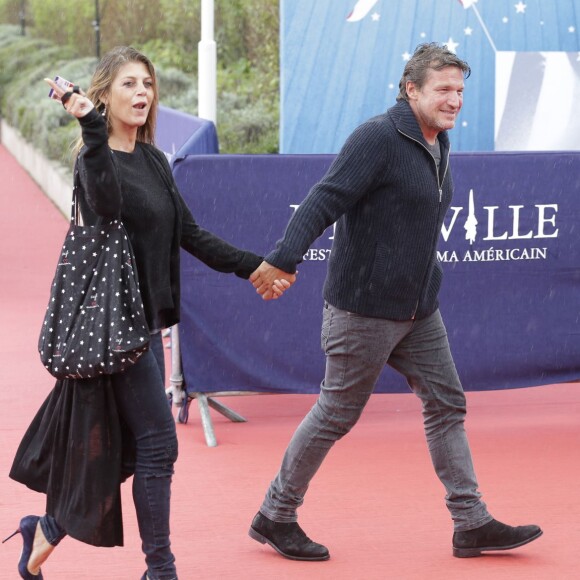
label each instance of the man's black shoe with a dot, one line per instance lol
(491, 537)
(288, 539)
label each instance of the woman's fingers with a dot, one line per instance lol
(64, 99)
(75, 102)
(57, 90)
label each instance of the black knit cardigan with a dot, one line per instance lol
(101, 196)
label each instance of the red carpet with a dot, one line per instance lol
(376, 502)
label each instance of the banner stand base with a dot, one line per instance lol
(204, 403)
(177, 396)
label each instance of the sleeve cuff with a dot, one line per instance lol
(92, 118)
(248, 264)
(284, 260)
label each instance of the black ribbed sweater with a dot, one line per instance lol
(141, 187)
(388, 199)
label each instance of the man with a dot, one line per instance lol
(387, 190)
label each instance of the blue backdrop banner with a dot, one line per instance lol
(510, 250)
(341, 62)
(179, 134)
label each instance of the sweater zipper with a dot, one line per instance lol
(440, 188)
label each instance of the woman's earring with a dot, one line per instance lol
(104, 111)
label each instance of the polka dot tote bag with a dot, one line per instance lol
(94, 323)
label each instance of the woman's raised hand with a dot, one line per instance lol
(75, 102)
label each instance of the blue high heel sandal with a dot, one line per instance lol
(27, 528)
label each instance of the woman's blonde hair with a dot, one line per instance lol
(103, 78)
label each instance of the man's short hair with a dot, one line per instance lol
(428, 56)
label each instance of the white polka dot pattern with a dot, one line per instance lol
(94, 323)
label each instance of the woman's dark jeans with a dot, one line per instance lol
(142, 403)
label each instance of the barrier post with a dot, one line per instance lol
(177, 395)
(207, 63)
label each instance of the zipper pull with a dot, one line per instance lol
(440, 195)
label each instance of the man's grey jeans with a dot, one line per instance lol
(357, 348)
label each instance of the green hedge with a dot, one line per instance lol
(247, 95)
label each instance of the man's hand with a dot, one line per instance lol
(271, 282)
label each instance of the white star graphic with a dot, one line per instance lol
(468, 31)
(520, 7)
(571, 29)
(406, 56)
(422, 35)
(451, 45)
(505, 19)
(376, 16)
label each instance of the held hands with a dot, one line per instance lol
(75, 102)
(271, 282)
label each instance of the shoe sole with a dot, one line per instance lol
(263, 540)
(474, 552)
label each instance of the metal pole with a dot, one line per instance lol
(207, 64)
(97, 27)
(176, 377)
(22, 16)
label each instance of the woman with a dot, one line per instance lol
(118, 170)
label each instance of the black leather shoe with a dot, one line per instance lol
(288, 539)
(491, 537)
